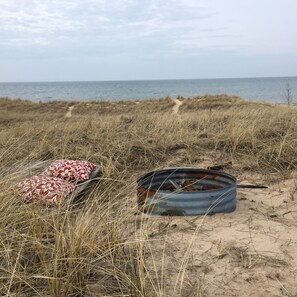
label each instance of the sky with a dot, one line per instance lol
(72, 40)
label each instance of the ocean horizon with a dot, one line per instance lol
(259, 88)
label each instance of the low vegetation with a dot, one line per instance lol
(100, 247)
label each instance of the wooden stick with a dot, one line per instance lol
(250, 186)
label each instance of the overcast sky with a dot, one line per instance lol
(65, 40)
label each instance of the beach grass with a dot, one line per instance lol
(102, 247)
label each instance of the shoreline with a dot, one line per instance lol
(137, 100)
(269, 89)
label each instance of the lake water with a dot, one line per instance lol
(269, 89)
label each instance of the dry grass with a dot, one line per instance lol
(96, 248)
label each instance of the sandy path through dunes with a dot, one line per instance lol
(176, 107)
(69, 112)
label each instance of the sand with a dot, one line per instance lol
(69, 112)
(176, 107)
(250, 252)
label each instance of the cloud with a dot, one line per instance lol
(52, 19)
(33, 23)
(171, 26)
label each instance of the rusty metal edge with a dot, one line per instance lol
(158, 202)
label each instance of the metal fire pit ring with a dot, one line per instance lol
(186, 191)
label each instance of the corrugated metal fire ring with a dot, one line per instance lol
(186, 191)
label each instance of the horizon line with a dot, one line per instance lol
(130, 80)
